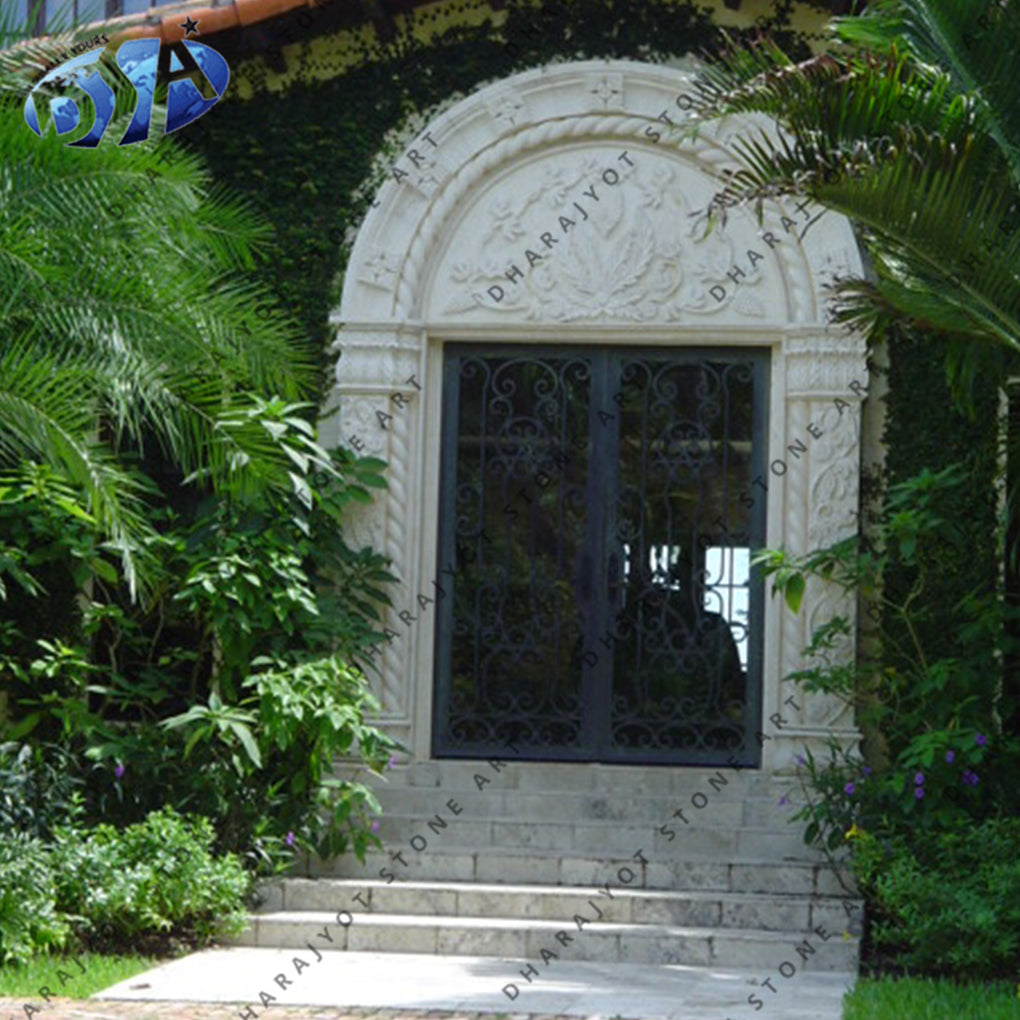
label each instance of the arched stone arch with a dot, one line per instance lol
(559, 206)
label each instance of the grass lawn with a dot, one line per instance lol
(926, 999)
(100, 972)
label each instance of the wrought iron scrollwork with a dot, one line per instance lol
(575, 530)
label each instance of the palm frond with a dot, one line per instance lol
(974, 42)
(896, 145)
(126, 299)
(47, 407)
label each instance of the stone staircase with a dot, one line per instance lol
(588, 862)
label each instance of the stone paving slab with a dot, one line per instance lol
(395, 986)
(76, 1009)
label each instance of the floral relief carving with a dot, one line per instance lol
(827, 711)
(834, 497)
(638, 253)
(365, 526)
(835, 486)
(357, 418)
(608, 91)
(826, 365)
(834, 265)
(428, 174)
(379, 270)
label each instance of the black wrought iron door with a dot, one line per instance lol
(601, 605)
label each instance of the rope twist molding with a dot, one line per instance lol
(399, 240)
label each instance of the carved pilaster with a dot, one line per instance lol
(826, 379)
(508, 108)
(378, 393)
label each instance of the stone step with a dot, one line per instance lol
(517, 806)
(527, 937)
(763, 911)
(748, 874)
(613, 781)
(669, 836)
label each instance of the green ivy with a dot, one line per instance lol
(927, 428)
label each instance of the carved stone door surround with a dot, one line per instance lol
(557, 206)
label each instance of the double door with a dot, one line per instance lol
(594, 509)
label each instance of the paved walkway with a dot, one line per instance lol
(71, 1009)
(407, 986)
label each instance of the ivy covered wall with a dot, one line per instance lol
(929, 425)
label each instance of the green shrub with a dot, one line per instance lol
(29, 922)
(158, 877)
(232, 694)
(937, 756)
(942, 780)
(929, 811)
(949, 902)
(39, 788)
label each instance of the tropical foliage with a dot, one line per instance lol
(182, 618)
(937, 758)
(159, 882)
(946, 904)
(129, 327)
(913, 131)
(938, 784)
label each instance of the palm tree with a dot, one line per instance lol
(912, 130)
(127, 319)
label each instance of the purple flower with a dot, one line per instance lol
(290, 839)
(849, 789)
(919, 792)
(950, 755)
(375, 826)
(391, 762)
(866, 770)
(980, 739)
(970, 778)
(119, 771)
(801, 760)
(919, 779)
(783, 800)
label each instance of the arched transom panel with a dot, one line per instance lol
(562, 196)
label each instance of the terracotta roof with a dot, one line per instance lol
(165, 22)
(217, 16)
(222, 15)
